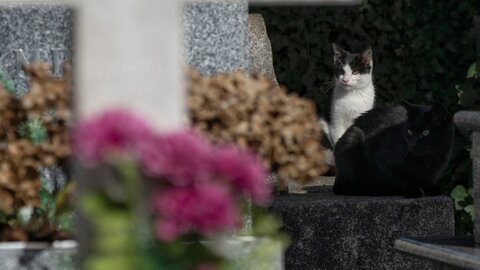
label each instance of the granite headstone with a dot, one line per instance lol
(34, 33)
(216, 35)
(260, 54)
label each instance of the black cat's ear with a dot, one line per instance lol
(439, 114)
(406, 105)
(337, 52)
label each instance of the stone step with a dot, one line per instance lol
(354, 232)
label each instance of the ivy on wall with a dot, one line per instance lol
(424, 51)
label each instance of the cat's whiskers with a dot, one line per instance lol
(404, 156)
(329, 86)
(409, 149)
(434, 155)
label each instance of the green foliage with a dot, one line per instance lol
(424, 51)
(268, 225)
(463, 200)
(33, 130)
(7, 84)
(49, 218)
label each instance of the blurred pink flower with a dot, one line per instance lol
(244, 172)
(167, 230)
(181, 158)
(205, 208)
(115, 131)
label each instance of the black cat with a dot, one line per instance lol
(401, 150)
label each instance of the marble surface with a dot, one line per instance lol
(215, 37)
(128, 56)
(353, 232)
(43, 32)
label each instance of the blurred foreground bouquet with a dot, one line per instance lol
(165, 199)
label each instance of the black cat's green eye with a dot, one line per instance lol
(409, 132)
(425, 132)
(355, 72)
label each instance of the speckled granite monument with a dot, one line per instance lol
(260, 48)
(215, 35)
(32, 33)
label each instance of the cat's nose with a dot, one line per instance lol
(345, 81)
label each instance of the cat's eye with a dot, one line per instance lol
(355, 72)
(425, 132)
(409, 132)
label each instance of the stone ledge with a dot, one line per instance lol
(467, 120)
(350, 232)
(448, 253)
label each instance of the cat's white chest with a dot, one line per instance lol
(347, 105)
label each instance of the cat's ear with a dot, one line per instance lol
(405, 104)
(439, 114)
(337, 52)
(366, 55)
(408, 107)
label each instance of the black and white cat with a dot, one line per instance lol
(354, 93)
(401, 150)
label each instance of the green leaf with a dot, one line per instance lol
(66, 222)
(33, 130)
(7, 84)
(470, 210)
(459, 193)
(472, 71)
(9, 87)
(47, 204)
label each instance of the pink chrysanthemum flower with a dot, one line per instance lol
(181, 158)
(206, 208)
(244, 172)
(113, 132)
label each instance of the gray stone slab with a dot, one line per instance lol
(467, 120)
(446, 253)
(350, 232)
(38, 256)
(30, 33)
(260, 49)
(215, 35)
